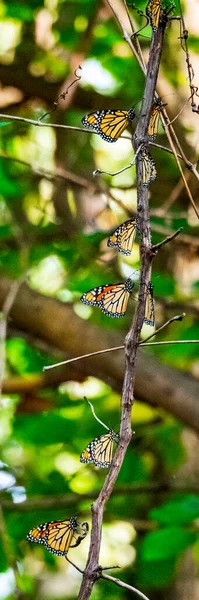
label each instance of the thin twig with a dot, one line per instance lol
(73, 564)
(124, 585)
(176, 318)
(62, 96)
(184, 36)
(168, 239)
(99, 171)
(167, 126)
(70, 360)
(166, 343)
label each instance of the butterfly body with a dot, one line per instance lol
(123, 237)
(149, 317)
(153, 13)
(100, 450)
(109, 124)
(57, 536)
(112, 299)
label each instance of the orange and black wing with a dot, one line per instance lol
(59, 536)
(92, 297)
(38, 534)
(100, 450)
(123, 237)
(109, 124)
(55, 535)
(153, 12)
(149, 172)
(114, 300)
(91, 120)
(112, 123)
(149, 317)
(111, 298)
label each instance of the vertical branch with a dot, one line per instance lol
(91, 572)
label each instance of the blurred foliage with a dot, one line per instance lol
(56, 230)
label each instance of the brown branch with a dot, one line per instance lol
(72, 499)
(124, 585)
(172, 320)
(63, 94)
(106, 350)
(167, 342)
(164, 115)
(56, 324)
(184, 37)
(168, 239)
(132, 339)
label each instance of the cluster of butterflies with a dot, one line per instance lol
(113, 298)
(59, 536)
(110, 124)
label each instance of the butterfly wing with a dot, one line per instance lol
(113, 302)
(149, 317)
(154, 120)
(153, 12)
(91, 120)
(149, 172)
(113, 122)
(86, 455)
(38, 534)
(102, 449)
(111, 298)
(91, 297)
(109, 124)
(123, 237)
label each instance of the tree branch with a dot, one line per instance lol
(73, 499)
(132, 339)
(124, 585)
(57, 324)
(168, 239)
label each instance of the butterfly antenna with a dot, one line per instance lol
(92, 408)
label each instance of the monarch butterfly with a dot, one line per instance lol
(100, 450)
(111, 298)
(154, 118)
(149, 317)
(153, 12)
(109, 124)
(149, 172)
(57, 536)
(123, 237)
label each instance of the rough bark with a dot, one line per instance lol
(57, 324)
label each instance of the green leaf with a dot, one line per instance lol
(166, 544)
(180, 510)
(44, 429)
(23, 358)
(155, 575)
